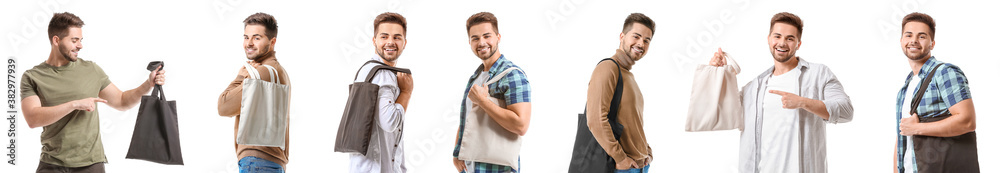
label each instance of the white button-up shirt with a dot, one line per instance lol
(815, 82)
(385, 150)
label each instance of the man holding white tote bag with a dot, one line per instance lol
(496, 108)
(786, 108)
(260, 30)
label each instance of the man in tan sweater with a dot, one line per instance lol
(631, 153)
(259, 34)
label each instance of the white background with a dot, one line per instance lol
(557, 43)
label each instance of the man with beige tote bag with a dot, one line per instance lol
(787, 107)
(385, 149)
(259, 36)
(496, 106)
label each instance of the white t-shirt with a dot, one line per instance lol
(780, 129)
(908, 156)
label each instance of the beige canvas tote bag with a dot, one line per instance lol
(484, 140)
(263, 110)
(715, 99)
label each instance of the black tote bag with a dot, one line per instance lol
(155, 137)
(355, 130)
(588, 156)
(942, 154)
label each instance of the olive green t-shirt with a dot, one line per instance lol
(74, 140)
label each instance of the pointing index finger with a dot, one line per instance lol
(782, 93)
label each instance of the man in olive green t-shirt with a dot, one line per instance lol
(60, 96)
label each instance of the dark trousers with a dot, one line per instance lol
(50, 168)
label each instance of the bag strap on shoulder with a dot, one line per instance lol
(500, 75)
(923, 87)
(371, 74)
(363, 65)
(380, 66)
(275, 78)
(616, 102)
(252, 71)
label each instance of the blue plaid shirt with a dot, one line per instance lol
(948, 87)
(514, 88)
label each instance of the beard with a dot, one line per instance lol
(264, 53)
(628, 52)
(492, 52)
(387, 59)
(918, 56)
(381, 53)
(67, 54)
(782, 59)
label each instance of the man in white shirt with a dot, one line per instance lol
(386, 149)
(787, 107)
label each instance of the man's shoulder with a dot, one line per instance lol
(36, 69)
(949, 73)
(950, 69)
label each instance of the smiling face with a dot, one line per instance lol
(483, 40)
(784, 41)
(389, 41)
(635, 42)
(255, 43)
(916, 41)
(70, 45)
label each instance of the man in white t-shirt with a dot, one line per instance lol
(787, 107)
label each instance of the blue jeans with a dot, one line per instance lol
(634, 170)
(253, 164)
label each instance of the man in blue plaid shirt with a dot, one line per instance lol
(513, 88)
(948, 91)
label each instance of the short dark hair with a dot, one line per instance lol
(641, 19)
(787, 18)
(922, 18)
(60, 23)
(482, 17)
(390, 17)
(263, 19)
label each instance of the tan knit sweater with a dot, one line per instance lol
(599, 94)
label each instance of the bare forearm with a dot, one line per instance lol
(404, 99)
(817, 107)
(43, 116)
(948, 127)
(508, 119)
(131, 97)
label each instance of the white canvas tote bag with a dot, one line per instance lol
(484, 140)
(715, 99)
(263, 110)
